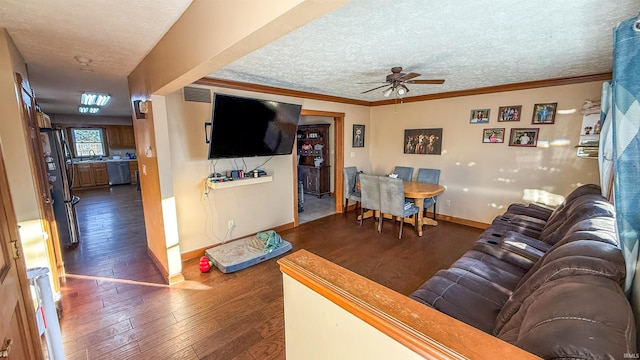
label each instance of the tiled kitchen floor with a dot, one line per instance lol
(315, 208)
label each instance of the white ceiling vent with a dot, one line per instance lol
(197, 94)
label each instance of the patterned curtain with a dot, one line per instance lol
(625, 109)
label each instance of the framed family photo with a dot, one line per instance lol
(544, 113)
(509, 113)
(358, 136)
(423, 141)
(493, 136)
(479, 116)
(524, 137)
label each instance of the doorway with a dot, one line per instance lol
(312, 200)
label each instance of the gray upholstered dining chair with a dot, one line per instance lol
(351, 192)
(370, 195)
(404, 172)
(429, 176)
(392, 202)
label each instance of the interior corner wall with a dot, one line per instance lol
(202, 213)
(482, 179)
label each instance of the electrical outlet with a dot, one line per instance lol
(448, 202)
(231, 224)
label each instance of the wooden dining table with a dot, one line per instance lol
(418, 191)
(421, 191)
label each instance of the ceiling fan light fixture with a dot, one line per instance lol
(402, 90)
(387, 92)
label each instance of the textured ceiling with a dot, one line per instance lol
(115, 34)
(470, 44)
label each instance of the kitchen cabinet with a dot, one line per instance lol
(127, 139)
(113, 136)
(315, 180)
(90, 175)
(133, 166)
(84, 176)
(120, 136)
(100, 175)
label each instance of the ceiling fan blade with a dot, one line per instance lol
(435, 81)
(408, 76)
(375, 88)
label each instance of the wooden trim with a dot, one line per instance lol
(158, 264)
(236, 85)
(478, 91)
(455, 220)
(426, 331)
(200, 252)
(501, 88)
(174, 279)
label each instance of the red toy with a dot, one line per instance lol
(205, 264)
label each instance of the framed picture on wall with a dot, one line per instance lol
(358, 136)
(509, 113)
(479, 116)
(544, 113)
(423, 141)
(493, 136)
(524, 137)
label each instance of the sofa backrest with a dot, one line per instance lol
(574, 195)
(585, 207)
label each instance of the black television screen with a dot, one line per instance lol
(244, 127)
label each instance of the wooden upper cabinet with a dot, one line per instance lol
(120, 136)
(113, 136)
(127, 139)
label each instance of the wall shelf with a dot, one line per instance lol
(238, 182)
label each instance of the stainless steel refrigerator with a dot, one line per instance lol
(56, 154)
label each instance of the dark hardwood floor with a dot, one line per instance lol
(215, 315)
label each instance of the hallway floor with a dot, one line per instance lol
(316, 208)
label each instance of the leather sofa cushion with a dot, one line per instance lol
(576, 317)
(573, 260)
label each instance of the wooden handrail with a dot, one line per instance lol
(424, 330)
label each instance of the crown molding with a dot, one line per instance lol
(236, 85)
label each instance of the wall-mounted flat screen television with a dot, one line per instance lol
(245, 127)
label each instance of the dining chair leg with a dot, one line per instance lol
(346, 205)
(401, 223)
(358, 204)
(415, 221)
(380, 223)
(434, 211)
(361, 215)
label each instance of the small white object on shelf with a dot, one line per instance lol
(238, 182)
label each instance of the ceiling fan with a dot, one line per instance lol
(397, 80)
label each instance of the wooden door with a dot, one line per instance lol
(41, 179)
(17, 322)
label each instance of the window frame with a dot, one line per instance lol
(103, 140)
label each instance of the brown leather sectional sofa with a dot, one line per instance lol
(548, 281)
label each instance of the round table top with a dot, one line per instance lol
(414, 189)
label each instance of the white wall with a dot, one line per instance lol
(316, 328)
(482, 179)
(203, 214)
